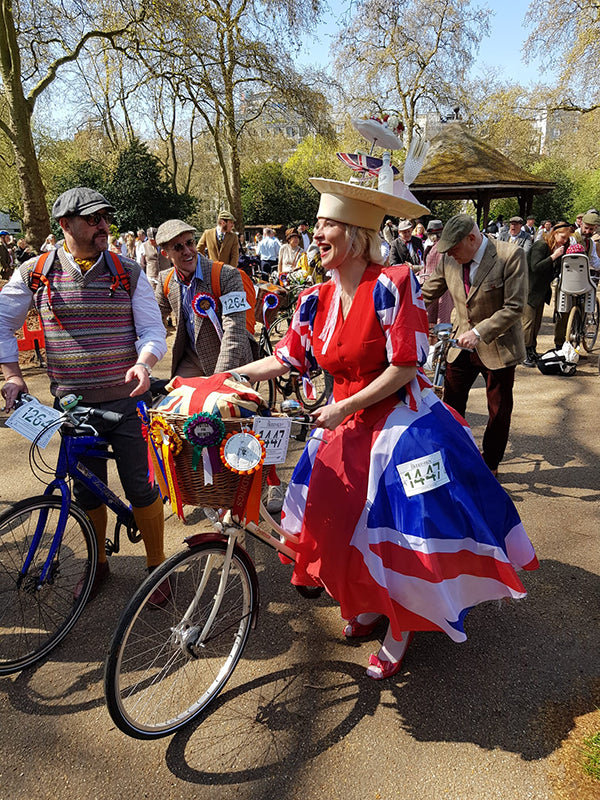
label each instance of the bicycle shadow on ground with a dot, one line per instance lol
(70, 679)
(527, 670)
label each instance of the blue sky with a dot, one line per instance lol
(501, 50)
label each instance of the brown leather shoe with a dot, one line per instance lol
(102, 573)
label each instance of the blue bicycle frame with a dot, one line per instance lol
(72, 448)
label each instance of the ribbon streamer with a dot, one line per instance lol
(168, 446)
(205, 306)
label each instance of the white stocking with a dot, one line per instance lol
(392, 649)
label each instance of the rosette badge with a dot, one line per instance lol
(203, 430)
(205, 305)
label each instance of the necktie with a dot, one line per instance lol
(467, 276)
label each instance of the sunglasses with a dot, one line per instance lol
(95, 219)
(180, 245)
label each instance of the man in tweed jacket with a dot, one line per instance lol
(221, 243)
(211, 333)
(487, 280)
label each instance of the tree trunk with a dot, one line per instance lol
(36, 223)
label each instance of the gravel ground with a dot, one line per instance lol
(496, 718)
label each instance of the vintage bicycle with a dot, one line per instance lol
(576, 296)
(167, 664)
(47, 543)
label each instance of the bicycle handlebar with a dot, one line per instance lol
(79, 414)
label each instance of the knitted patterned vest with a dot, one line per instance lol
(90, 336)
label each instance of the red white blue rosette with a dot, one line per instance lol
(204, 305)
(270, 302)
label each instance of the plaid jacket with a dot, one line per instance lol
(214, 355)
(494, 304)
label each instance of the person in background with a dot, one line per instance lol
(290, 252)
(543, 261)
(407, 249)
(304, 235)
(529, 227)
(440, 309)
(268, 250)
(153, 261)
(6, 265)
(221, 243)
(49, 243)
(419, 231)
(487, 280)
(23, 252)
(139, 245)
(516, 235)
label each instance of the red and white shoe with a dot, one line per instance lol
(379, 668)
(355, 629)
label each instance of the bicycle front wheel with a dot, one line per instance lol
(590, 328)
(159, 674)
(36, 614)
(574, 333)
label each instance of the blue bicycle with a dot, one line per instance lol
(48, 545)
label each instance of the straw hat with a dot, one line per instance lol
(358, 205)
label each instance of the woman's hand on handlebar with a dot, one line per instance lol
(13, 386)
(330, 416)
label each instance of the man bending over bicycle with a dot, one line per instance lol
(103, 333)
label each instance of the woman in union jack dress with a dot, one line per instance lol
(397, 515)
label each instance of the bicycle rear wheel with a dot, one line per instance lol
(590, 328)
(323, 384)
(34, 619)
(574, 332)
(157, 678)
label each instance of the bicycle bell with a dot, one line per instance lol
(69, 401)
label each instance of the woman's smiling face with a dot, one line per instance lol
(330, 238)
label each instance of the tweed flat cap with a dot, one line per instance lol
(225, 215)
(172, 228)
(80, 201)
(456, 229)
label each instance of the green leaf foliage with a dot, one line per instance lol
(271, 196)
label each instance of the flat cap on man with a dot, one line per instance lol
(172, 228)
(225, 215)
(405, 225)
(591, 218)
(517, 219)
(455, 231)
(435, 225)
(80, 201)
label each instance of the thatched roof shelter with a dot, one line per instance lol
(459, 166)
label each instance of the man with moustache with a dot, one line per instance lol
(103, 333)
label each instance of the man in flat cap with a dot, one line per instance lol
(209, 302)
(516, 235)
(487, 280)
(221, 243)
(406, 248)
(103, 334)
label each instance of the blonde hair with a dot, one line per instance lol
(364, 243)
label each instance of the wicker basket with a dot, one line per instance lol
(221, 492)
(264, 289)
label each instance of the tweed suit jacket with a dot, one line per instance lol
(214, 355)
(494, 304)
(524, 240)
(228, 251)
